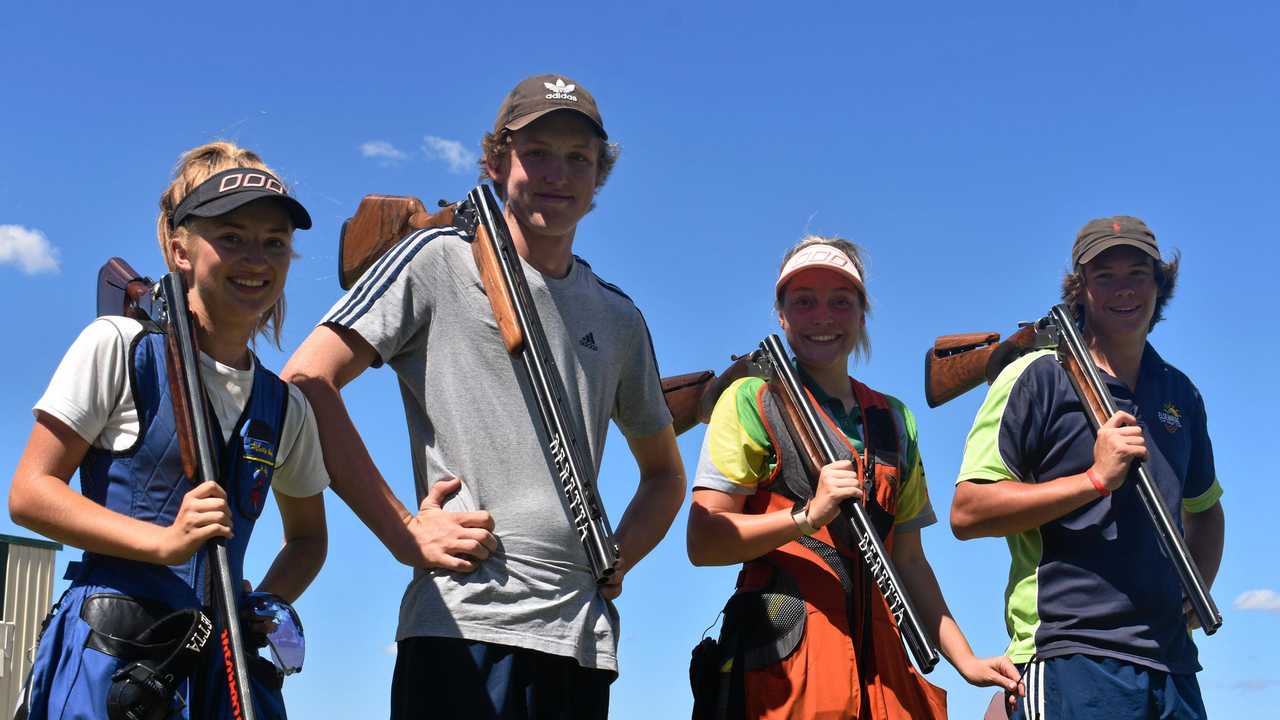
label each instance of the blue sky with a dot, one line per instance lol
(962, 144)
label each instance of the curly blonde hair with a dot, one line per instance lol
(194, 167)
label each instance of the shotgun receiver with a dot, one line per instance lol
(522, 334)
(381, 221)
(1099, 405)
(805, 426)
(163, 307)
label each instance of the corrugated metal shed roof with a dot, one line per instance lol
(30, 542)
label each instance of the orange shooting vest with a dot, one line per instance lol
(814, 636)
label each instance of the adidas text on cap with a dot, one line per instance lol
(541, 94)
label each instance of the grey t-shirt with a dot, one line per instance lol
(471, 415)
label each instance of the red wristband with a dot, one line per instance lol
(1097, 484)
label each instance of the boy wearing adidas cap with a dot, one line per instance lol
(1095, 612)
(503, 618)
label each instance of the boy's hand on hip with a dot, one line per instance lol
(454, 541)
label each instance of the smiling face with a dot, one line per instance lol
(549, 174)
(236, 264)
(1120, 294)
(821, 312)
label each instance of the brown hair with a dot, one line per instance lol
(194, 167)
(852, 251)
(1166, 277)
(496, 147)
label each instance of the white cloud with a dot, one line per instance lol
(1265, 600)
(459, 159)
(382, 150)
(27, 248)
(1254, 684)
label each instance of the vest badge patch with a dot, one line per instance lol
(259, 451)
(260, 458)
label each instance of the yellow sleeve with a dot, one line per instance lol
(736, 453)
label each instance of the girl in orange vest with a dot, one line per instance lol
(807, 634)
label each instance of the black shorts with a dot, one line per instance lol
(455, 678)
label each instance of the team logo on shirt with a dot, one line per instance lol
(1171, 417)
(588, 341)
(561, 91)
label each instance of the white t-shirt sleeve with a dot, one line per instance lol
(89, 391)
(301, 472)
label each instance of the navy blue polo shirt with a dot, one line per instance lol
(1095, 581)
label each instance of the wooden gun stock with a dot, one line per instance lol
(122, 291)
(957, 364)
(693, 396)
(380, 222)
(496, 287)
(683, 394)
(182, 414)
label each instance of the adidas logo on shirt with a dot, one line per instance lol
(588, 341)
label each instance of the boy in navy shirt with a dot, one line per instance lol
(1095, 612)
